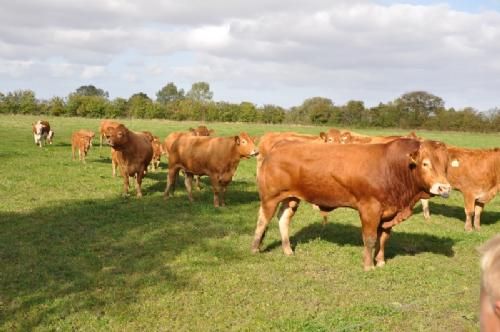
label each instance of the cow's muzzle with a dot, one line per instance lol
(254, 152)
(441, 189)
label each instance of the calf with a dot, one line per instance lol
(82, 141)
(475, 173)
(41, 132)
(133, 153)
(217, 157)
(382, 181)
(105, 124)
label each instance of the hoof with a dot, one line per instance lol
(468, 228)
(369, 268)
(380, 263)
(288, 252)
(255, 250)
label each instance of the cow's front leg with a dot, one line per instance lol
(383, 235)
(138, 182)
(370, 213)
(126, 183)
(216, 190)
(425, 208)
(469, 211)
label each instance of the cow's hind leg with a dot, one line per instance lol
(188, 182)
(266, 212)
(173, 172)
(285, 214)
(138, 182)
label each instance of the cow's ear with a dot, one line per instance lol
(211, 132)
(255, 139)
(237, 140)
(323, 136)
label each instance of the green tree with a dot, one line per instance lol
(248, 112)
(416, 107)
(200, 91)
(139, 105)
(56, 106)
(272, 114)
(169, 93)
(90, 90)
(352, 113)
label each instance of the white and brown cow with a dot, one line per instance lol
(42, 132)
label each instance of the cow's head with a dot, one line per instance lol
(429, 161)
(331, 136)
(246, 145)
(116, 136)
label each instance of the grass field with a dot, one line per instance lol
(76, 255)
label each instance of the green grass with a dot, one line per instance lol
(76, 255)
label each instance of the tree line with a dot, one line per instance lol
(416, 109)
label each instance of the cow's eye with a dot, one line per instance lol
(243, 141)
(426, 164)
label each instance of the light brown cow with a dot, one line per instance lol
(42, 132)
(381, 181)
(202, 131)
(157, 151)
(217, 157)
(133, 152)
(102, 131)
(349, 137)
(82, 141)
(475, 173)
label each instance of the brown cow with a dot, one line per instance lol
(217, 157)
(475, 173)
(41, 132)
(102, 131)
(381, 181)
(133, 152)
(82, 141)
(202, 131)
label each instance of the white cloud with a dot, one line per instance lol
(348, 49)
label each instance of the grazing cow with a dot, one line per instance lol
(82, 141)
(102, 131)
(475, 173)
(133, 152)
(217, 157)
(381, 181)
(331, 136)
(349, 137)
(41, 132)
(202, 131)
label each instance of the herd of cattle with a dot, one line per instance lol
(381, 177)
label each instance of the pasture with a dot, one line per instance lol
(76, 255)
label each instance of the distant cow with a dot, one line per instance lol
(475, 173)
(217, 157)
(202, 131)
(157, 151)
(381, 181)
(269, 140)
(82, 141)
(133, 152)
(41, 132)
(102, 131)
(348, 137)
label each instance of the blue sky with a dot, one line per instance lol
(258, 51)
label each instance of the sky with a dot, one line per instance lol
(261, 51)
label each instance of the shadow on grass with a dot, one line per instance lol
(453, 211)
(345, 234)
(88, 255)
